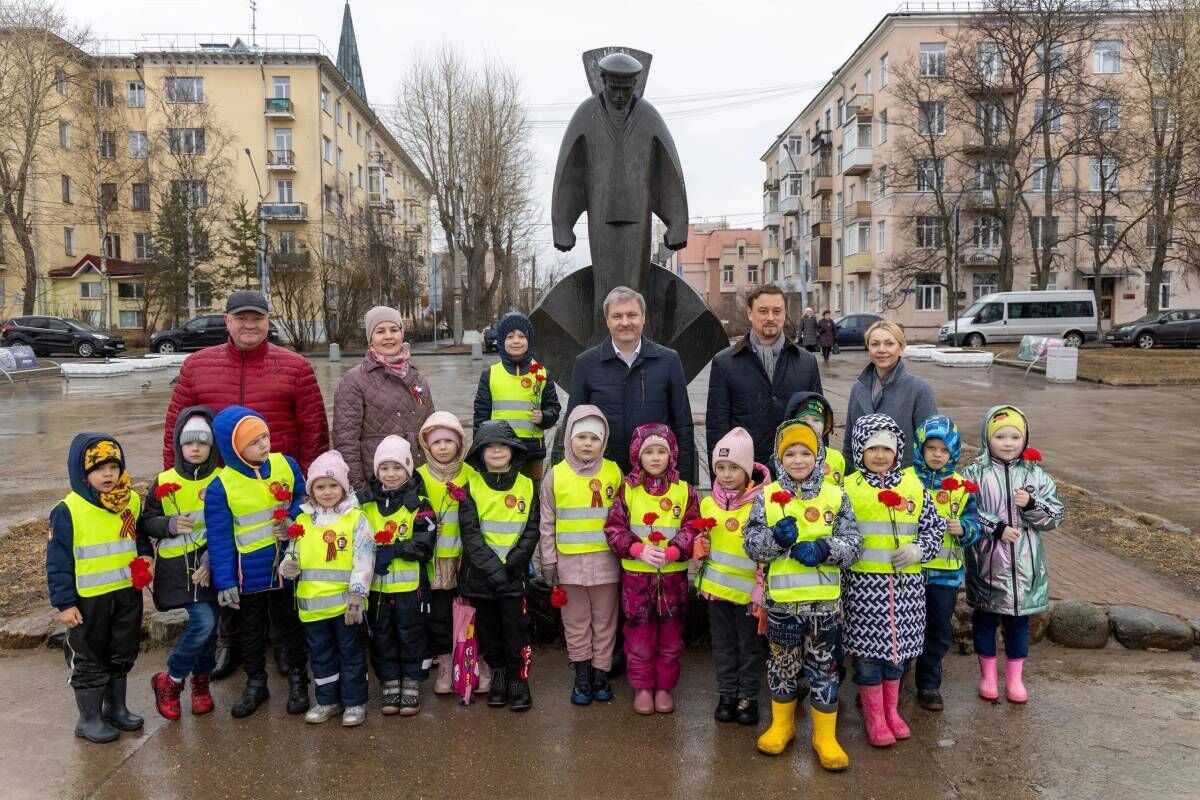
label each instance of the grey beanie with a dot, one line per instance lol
(380, 314)
(196, 429)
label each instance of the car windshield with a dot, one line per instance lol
(81, 326)
(1146, 318)
(975, 308)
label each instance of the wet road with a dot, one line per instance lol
(1102, 724)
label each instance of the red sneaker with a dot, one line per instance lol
(166, 695)
(202, 701)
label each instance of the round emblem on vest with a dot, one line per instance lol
(664, 504)
(608, 491)
(403, 528)
(828, 517)
(276, 486)
(329, 537)
(202, 491)
(341, 543)
(390, 526)
(911, 506)
(943, 497)
(521, 506)
(594, 485)
(526, 383)
(731, 524)
(954, 508)
(837, 477)
(676, 511)
(812, 514)
(510, 500)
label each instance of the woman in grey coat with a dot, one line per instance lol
(809, 334)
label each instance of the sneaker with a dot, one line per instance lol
(444, 683)
(391, 698)
(410, 698)
(353, 716)
(254, 695)
(202, 699)
(166, 695)
(498, 691)
(747, 711)
(319, 713)
(601, 691)
(581, 692)
(930, 699)
(726, 709)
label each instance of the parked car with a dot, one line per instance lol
(1179, 327)
(196, 334)
(852, 329)
(1069, 314)
(50, 335)
(490, 345)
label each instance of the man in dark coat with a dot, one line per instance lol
(634, 381)
(751, 381)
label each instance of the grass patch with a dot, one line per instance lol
(23, 569)
(1127, 366)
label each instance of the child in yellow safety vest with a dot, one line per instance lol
(802, 529)
(650, 527)
(814, 409)
(405, 530)
(96, 567)
(331, 557)
(575, 497)
(728, 578)
(884, 591)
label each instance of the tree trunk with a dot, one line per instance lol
(27, 252)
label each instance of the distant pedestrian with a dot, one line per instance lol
(808, 330)
(826, 335)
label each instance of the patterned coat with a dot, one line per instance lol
(884, 615)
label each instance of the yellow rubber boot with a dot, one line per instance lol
(783, 729)
(824, 741)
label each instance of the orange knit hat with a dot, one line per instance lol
(247, 429)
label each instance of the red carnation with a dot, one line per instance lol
(950, 484)
(783, 498)
(541, 378)
(282, 494)
(705, 524)
(649, 517)
(891, 499)
(280, 514)
(383, 537)
(656, 537)
(139, 573)
(456, 492)
(558, 597)
(295, 531)
(971, 486)
(1032, 454)
(164, 490)
(534, 366)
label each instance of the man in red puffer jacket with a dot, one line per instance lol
(277, 383)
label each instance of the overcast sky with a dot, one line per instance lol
(734, 54)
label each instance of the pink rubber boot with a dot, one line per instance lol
(878, 732)
(987, 678)
(891, 710)
(1014, 688)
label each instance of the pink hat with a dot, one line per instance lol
(736, 447)
(397, 449)
(329, 465)
(435, 435)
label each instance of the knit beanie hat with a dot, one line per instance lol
(1007, 417)
(380, 314)
(812, 408)
(737, 448)
(593, 425)
(247, 429)
(653, 439)
(514, 322)
(438, 434)
(196, 429)
(329, 464)
(881, 439)
(104, 451)
(397, 449)
(797, 433)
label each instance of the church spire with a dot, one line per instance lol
(347, 55)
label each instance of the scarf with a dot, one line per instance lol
(731, 501)
(104, 451)
(768, 355)
(117, 500)
(397, 364)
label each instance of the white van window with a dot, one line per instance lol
(990, 312)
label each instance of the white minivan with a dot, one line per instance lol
(1007, 316)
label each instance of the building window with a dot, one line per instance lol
(327, 149)
(112, 246)
(929, 233)
(329, 246)
(358, 133)
(324, 98)
(1106, 115)
(929, 293)
(1050, 57)
(858, 238)
(1152, 233)
(141, 246)
(131, 320)
(752, 274)
(883, 126)
(1164, 115)
(1164, 291)
(135, 94)
(139, 144)
(337, 112)
(131, 290)
(107, 144)
(341, 161)
(987, 175)
(1053, 115)
(933, 60)
(283, 191)
(1037, 227)
(727, 274)
(987, 233)
(1039, 176)
(141, 197)
(867, 82)
(989, 59)
(104, 94)
(883, 70)
(287, 241)
(360, 176)
(66, 188)
(929, 174)
(1104, 172)
(185, 141)
(1107, 57)
(195, 192)
(185, 90)
(64, 134)
(60, 81)
(1103, 232)
(984, 283)
(931, 118)
(881, 177)
(989, 120)
(327, 198)
(281, 86)
(89, 290)
(109, 197)
(881, 236)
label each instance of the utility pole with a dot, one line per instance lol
(264, 274)
(456, 254)
(533, 284)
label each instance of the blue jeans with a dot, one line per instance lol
(1016, 634)
(939, 614)
(874, 671)
(339, 665)
(196, 652)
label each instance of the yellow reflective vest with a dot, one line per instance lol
(187, 502)
(103, 544)
(402, 576)
(727, 572)
(581, 507)
(670, 508)
(950, 504)
(835, 467)
(445, 508)
(252, 504)
(502, 515)
(323, 588)
(885, 530)
(788, 580)
(515, 398)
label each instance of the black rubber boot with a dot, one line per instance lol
(254, 695)
(726, 708)
(297, 702)
(498, 694)
(228, 660)
(91, 724)
(114, 711)
(581, 693)
(519, 698)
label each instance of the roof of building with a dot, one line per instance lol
(708, 245)
(347, 55)
(116, 268)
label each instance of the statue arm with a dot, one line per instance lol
(569, 198)
(669, 196)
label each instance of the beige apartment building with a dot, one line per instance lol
(838, 217)
(722, 264)
(289, 122)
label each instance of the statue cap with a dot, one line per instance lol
(620, 64)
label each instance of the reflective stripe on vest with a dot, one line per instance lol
(514, 399)
(578, 524)
(788, 580)
(727, 573)
(402, 576)
(885, 530)
(322, 590)
(101, 553)
(640, 503)
(445, 508)
(950, 505)
(502, 515)
(188, 502)
(253, 505)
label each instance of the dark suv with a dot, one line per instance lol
(196, 334)
(49, 335)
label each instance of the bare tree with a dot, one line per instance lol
(41, 50)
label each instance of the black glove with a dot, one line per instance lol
(383, 558)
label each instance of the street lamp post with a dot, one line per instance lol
(456, 254)
(264, 274)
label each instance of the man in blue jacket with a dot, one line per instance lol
(247, 510)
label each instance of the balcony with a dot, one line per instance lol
(986, 141)
(284, 212)
(861, 106)
(858, 210)
(379, 159)
(821, 252)
(824, 274)
(859, 262)
(771, 185)
(770, 253)
(822, 221)
(771, 219)
(987, 199)
(857, 161)
(822, 179)
(279, 108)
(978, 256)
(791, 244)
(376, 199)
(294, 260)
(1000, 83)
(281, 160)
(822, 138)
(790, 206)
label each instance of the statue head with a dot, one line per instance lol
(620, 72)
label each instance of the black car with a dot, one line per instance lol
(196, 334)
(50, 335)
(490, 345)
(1179, 327)
(852, 329)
